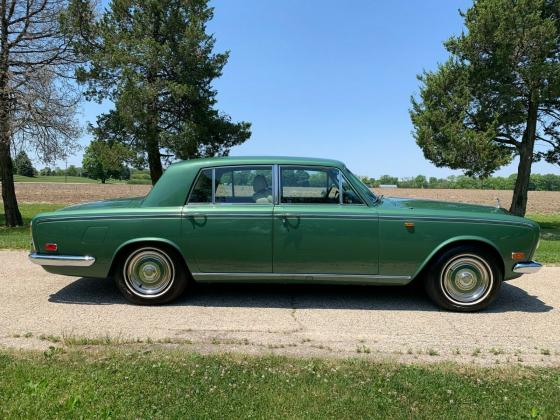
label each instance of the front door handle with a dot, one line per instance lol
(286, 216)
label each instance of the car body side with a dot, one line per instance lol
(409, 233)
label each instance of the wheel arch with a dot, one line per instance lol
(458, 241)
(127, 246)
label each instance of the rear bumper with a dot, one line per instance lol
(62, 260)
(528, 267)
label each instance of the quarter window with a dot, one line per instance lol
(349, 196)
(202, 191)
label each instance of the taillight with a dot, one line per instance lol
(51, 247)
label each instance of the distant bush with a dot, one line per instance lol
(138, 177)
(139, 181)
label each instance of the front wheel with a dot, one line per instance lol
(464, 279)
(151, 275)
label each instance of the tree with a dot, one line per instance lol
(155, 61)
(103, 160)
(72, 171)
(37, 102)
(23, 165)
(46, 171)
(497, 95)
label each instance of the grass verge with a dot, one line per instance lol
(63, 179)
(19, 238)
(549, 247)
(146, 383)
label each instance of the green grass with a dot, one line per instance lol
(20, 237)
(139, 382)
(548, 252)
(81, 180)
(549, 247)
(68, 179)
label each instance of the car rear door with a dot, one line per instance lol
(227, 224)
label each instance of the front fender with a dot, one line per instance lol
(456, 240)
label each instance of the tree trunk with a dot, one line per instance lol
(154, 159)
(11, 210)
(152, 123)
(519, 200)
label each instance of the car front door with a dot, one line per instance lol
(227, 222)
(321, 226)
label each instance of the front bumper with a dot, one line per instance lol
(528, 267)
(62, 260)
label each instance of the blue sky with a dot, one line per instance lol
(331, 79)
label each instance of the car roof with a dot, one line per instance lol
(254, 160)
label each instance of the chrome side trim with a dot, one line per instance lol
(529, 267)
(303, 277)
(454, 219)
(63, 218)
(62, 260)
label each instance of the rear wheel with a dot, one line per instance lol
(151, 275)
(465, 279)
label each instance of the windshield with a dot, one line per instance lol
(370, 196)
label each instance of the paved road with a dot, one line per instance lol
(523, 325)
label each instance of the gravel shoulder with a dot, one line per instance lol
(39, 310)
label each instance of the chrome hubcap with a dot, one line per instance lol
(149, 272)
(467, 279)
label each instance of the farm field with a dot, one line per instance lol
(67, 193)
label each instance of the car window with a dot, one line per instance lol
(349, 196)
(309, 185)
(244, 185)
(202, 191)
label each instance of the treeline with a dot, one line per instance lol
(23, 166)
(538, 182)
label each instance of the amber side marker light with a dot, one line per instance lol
(517, 256)
(51, 247)
(408, 225)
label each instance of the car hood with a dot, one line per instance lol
(421, 204)
(107, 204)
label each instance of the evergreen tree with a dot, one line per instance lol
(23, 165)
(155, 61)
(498, 94)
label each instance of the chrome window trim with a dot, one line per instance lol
(275, 184)
(340, 192)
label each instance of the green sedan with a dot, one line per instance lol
(279, 219)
